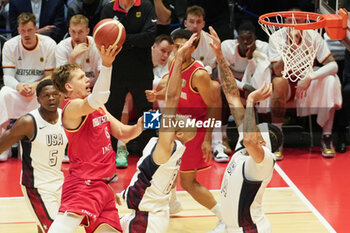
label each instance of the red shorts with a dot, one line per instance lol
(192, 159)
(94, 199)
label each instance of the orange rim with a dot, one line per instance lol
(320, 20)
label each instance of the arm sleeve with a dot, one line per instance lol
(9, 78)
(100, 93)
(330, 68)
(9, 66)
(259, 171)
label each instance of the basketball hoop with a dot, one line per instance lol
(293, 34)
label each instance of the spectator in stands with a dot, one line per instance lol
(49, 15)
(166, 15)
(217, 15)
(344, 113)
(319, 93)
(340, 118)
(91, 9)
(4, 19)
(132, 69)
(248, 61)
(80, 48)
(161, 50)
(27, 59)
(194, 21)
(2, 42)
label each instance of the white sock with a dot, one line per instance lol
(216, 210)
(173, 194)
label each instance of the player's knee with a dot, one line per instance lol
(105, 228)
(65, 223)
(280, 86)
(186, 184)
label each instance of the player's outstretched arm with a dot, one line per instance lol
(167, 136)
(228, 80)
(23, 127)
(252, 139)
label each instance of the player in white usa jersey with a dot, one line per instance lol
(43, 142)
(149, 191)
(251, 167)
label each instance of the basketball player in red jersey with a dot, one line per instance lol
(200, 99)
(86, 197)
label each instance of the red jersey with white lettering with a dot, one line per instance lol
(191, 102)
(192, 105)
(90, 152)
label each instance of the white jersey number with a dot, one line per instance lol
(53, 158)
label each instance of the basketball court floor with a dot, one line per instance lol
(308, 193)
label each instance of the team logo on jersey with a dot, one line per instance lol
(183, 84)
(87, 60)
(19, 58)
(151, 120)
(138, 14)
(41, 59)
(201, 58)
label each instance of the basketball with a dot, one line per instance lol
(109, 32)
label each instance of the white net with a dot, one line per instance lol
(297, 48)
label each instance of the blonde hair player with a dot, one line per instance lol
(87, 198)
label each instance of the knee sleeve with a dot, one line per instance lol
(65, 223)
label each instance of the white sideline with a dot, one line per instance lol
(304, 199)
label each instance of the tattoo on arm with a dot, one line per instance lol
(249, 120)
(230, 88)
(229, 84)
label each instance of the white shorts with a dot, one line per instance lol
(43, 205)
(145, 222)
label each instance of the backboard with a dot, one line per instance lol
(332, 7)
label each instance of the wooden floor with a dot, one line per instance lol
(285, 210)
